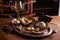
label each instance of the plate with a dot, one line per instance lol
(47, 33)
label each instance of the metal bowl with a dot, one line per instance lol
(41, 25)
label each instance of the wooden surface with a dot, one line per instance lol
(55, 24)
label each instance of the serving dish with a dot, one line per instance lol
(29, 27)
(48, 32)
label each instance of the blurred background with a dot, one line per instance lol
(48, 7)
(59, 7)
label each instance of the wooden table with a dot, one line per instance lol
(55, 24)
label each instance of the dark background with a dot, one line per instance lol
(49, 7)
